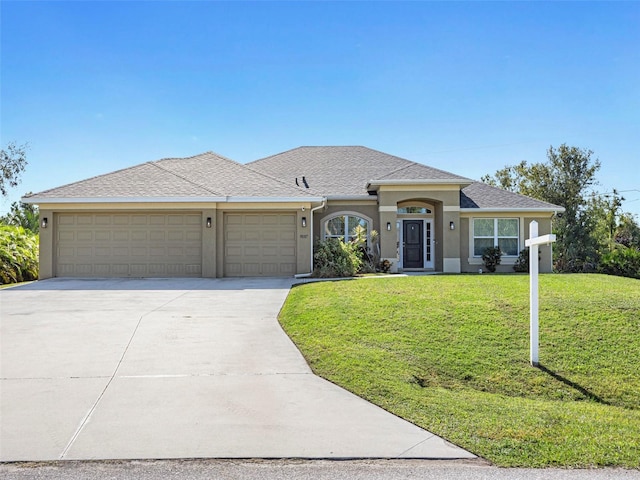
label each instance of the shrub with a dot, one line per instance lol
(622, 261)
(334, 258)
(522, 263)
(18, 255)
(491, 258)
(384, 266)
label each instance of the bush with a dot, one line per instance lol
(334, 258)
(18, 255)
(622, 261)
(491, 258)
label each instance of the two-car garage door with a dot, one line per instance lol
(128, 245)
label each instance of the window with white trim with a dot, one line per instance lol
(344, 226)
(500, 232)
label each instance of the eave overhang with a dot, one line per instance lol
(511, 209)
(228, 199)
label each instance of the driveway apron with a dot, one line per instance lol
(176, 368)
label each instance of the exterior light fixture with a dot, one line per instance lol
(304, 222)
(388, 226)
(452, 226)
(45, 222)
(208, 222)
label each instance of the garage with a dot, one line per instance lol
(144, 244)
(259, 244)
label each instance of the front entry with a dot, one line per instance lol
(413, 241)
(417, 243)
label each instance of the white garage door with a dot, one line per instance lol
(128, 245)
(259, 244)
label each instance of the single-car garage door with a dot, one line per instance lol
(128, 245)
(259, 244)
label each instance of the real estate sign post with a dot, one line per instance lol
(533, 243)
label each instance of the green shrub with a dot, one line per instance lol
(18, 255)
(522, 263)
(491, 257)
(334, 258)
(622, 261)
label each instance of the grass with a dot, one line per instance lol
(450, 353)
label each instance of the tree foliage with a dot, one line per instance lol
(563, 180)
(23, 215)
(13, 161)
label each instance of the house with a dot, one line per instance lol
(209, 216)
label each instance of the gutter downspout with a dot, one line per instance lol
(306, 275)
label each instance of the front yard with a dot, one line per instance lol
(450, 353)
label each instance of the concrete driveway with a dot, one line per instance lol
(138, 369)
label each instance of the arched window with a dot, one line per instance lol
(343, 226)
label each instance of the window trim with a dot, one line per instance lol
(345, 237)
(495, 235)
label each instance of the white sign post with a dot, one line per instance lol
(533, 243)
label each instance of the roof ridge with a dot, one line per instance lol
(155, 164)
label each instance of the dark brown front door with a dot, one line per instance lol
(413, 254)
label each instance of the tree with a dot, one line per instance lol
(563, 180)
(23, 215)
(604, 210)
(13, 161)
(628, 231)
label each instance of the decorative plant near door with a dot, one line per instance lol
(491, 258)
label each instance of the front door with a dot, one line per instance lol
(413, 240)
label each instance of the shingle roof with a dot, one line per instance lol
(328, 171)
(481, 195)
(417, 171)
(202, 176)
(335, 171)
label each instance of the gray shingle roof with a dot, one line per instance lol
(481, 195)
(328, 171)
(202, 176)
(335, 171)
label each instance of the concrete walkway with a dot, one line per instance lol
(187, 368)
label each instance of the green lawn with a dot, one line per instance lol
(451, 353)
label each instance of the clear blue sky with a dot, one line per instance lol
(465, 87)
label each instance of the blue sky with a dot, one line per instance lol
(467, 87)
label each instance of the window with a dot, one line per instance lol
(344, 226)
(414, 210)
(489, 232)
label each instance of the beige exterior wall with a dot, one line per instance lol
(451, 247)
(471, 264)
(46, 244)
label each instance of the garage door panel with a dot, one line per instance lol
(254, 244)
(286, 236)
(117, 245)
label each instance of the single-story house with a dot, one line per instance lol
(209, 216)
